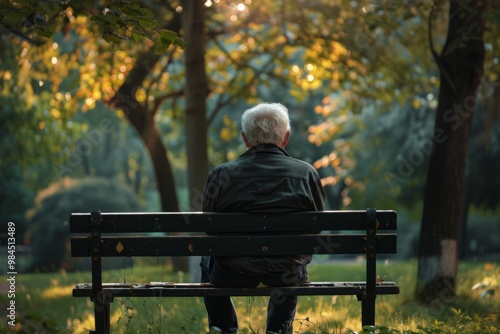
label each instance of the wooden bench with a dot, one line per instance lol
(97, 235)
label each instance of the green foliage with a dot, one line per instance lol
(15, 200)
(28, 18)
(30, 133)
(26, 115)
(119, 20)
(165, 39)
(460, 324)
(49, 235)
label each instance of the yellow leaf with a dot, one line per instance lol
(55, 113)
(119, 247)
(227, 120)
(140, 95)
(416, 104)
(225, 134)
(489, 266)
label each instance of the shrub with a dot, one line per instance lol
(49, 232)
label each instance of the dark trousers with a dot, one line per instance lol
(221, 313)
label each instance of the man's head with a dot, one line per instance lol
(266, 123)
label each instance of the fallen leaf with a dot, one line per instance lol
(119, 247)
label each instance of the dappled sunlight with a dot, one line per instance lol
(314, 313)
(322, 132)
(328, 314)
(121, 318)
(57, 292)
(83, 325)
(252, 312)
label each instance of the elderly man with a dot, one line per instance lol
(263, 179)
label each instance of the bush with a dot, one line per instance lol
(49, 233)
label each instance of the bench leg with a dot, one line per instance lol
(102, 324)
(367, 311)
(102, 315)
(368, 300)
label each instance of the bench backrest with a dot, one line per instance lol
(236, 234)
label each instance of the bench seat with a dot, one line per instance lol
(171, 289)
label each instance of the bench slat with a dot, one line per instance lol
(232, 222)
(236, 245)
(166, 289)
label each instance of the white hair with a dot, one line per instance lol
(266, 123)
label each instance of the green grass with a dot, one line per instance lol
(44, 304)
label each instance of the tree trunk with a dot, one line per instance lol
(463, 248)
(461, 68)
(196, 90)
(143, 121)
(163, 171)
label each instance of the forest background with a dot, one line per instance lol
(396, 103)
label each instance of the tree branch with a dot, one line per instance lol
(256, 73)
(160, 99)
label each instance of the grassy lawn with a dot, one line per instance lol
(44, 304)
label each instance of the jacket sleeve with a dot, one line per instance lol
(210, 193)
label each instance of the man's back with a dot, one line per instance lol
(264, 179)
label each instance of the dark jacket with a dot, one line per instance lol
(264, 179)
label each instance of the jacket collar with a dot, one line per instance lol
(265, 148)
